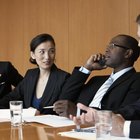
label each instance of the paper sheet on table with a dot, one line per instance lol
(80, 135)
(88, 136)
(51, 120)
(5, 114)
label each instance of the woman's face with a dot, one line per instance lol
(44, 55)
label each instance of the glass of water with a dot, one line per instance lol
(103, 124)
(16, 112)
(16, 133)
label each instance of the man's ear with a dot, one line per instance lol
(128, 53)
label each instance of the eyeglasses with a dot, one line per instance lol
(111, 46)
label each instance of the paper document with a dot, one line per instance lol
(88, 135)
(51, 120)
(5, 114)
(80, 135)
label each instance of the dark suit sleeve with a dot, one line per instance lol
(73, 86)
(130, 112)
(135, 129)
(13, 76)
(133, 92)
(16, 94)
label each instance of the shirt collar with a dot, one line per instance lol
(120, 73)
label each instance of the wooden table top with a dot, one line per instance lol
(32, 131)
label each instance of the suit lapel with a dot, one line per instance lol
(32, 85)
(122, 79)
(49, 89)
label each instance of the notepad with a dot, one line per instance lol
(51, 120)
(83, 135)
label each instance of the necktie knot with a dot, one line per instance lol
(108, 83)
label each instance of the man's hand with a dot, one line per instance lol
(37, 113)
(86, 118)
(64, 108)
(93, 62)
(117, 125)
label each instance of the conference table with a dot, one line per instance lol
(36, 131)
(32, 131)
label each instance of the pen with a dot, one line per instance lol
(77, 115)
(49, 106)
(85, 130)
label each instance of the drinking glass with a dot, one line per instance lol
(16, 112)
(103, 124)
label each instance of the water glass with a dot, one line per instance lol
(16, 133)
(16, 112)
(103, 124)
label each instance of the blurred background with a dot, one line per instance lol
(80, 28)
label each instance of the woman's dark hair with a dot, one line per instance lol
(138, 19)
(37, 41)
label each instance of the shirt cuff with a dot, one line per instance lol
(126, 128)
(84, 70)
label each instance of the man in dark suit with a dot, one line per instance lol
(129, 112)
(120, 125)
(9, 77)
(120, 55)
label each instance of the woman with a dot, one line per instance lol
(41, 86)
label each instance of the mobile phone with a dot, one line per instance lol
(102, 62)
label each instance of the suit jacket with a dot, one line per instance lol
(26, 89)
(122, 92)
(131, 111)
(8, 76)
(135, 129)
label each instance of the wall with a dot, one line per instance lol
(80, 28)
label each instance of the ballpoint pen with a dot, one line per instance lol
(78, 128)
(85, 130)
(48, 107)
(77, 115)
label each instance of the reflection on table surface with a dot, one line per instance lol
(31, 131)
(36, 131)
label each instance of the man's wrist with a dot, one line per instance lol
(88, 67)
(84, 70)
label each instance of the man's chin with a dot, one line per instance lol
(109, 65)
